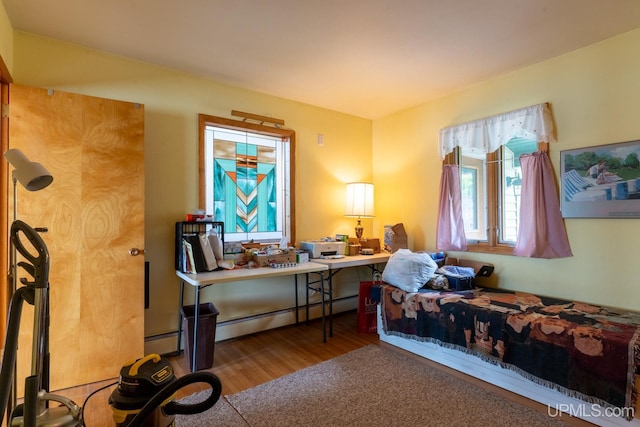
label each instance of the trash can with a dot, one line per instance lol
(207, 318)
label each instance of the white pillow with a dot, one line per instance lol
(408, 270)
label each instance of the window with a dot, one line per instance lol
(490, 187)
(510, 184)
(488, 153)
(246, 178)
(471, 188)
(474, 194)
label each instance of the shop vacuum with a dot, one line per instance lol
(146, 392)
(146, 388)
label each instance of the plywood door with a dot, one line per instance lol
(94, 212)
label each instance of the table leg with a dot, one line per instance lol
(322, 292)
(330, 306)
(307, 301)
(295, 290)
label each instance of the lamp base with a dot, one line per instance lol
(359, 230)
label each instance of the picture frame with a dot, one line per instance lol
(602, 181)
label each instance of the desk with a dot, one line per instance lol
(202, 280)
(335, 265)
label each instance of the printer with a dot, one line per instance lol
(323, 248)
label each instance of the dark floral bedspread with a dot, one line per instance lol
(586, 351)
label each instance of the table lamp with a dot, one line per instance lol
(359, 203)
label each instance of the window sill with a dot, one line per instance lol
(496, 250)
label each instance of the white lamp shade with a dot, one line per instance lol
(359, 200)
(33, 176)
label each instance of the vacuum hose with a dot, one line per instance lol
(173, 408)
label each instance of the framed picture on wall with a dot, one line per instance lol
(601, 181)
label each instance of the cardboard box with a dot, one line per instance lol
(287, 256)
(371, 244)
(302, 256)
(354, 250)
(398, 238)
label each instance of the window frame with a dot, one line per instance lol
(493, 171)
(287, 135)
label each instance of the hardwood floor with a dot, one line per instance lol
(245, 362)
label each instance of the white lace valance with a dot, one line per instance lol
(488, 134)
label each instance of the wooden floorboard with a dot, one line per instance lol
(247, 361)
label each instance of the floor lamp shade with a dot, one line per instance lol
(359, 202)
(32, 175)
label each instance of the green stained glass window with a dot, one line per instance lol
(246, 183)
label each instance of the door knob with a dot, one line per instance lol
(136, 251)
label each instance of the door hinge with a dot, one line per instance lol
(5, 111)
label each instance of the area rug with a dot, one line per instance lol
(221, 414)
(371, 386)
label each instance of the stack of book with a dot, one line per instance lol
(201, 252)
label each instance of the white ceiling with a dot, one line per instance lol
(368, 58)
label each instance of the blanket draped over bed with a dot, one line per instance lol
(589, 352)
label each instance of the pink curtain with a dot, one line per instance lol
(450, 233)
(541, 233)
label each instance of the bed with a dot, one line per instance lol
(576, 357)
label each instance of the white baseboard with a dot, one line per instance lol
(167, 343)
(508, 380)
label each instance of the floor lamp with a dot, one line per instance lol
(33, 177)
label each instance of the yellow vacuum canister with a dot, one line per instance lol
(139, 381)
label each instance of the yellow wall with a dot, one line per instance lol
(172, 102)
(593, 93)
(6, 40)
